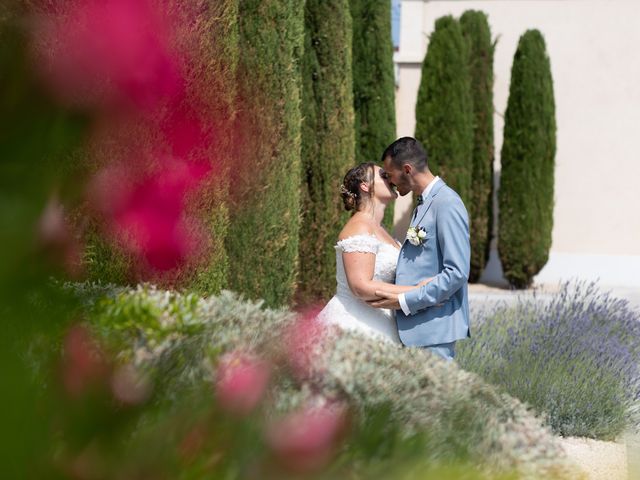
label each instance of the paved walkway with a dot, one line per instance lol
(484, 294)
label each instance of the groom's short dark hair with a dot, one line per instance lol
(407, 150)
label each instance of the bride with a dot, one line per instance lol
(366, 256)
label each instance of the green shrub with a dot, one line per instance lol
(452, 413)
(327, 141)
(264, 232)
(528, 161)
(574, 358)
(475, 28)
(373, 82)
(444, 109)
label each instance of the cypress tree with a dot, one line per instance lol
(444, 113)
(264, 231)
(476, 31)
(528, 159)
(327, 141)
(215, 39)
(210, 67)
(373, 82)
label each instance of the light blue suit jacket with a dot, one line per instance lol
(440, 309)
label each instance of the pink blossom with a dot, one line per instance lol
(114, 53)
(83, 364)
(242, 380)
(101, 52)
(305, 440)
(129, 386)
(185, 131)
(55, 236)
(303, 342)
(147, 215)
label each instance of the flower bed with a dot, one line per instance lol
(574, 358)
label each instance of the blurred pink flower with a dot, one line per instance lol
(104, 52)
(303, 342)
(185, 131)
(241, 382)
(305, 441)
(83, 363)
(129, 387)
(55, 236)
(52, 226)
(147, 215)
(109, 54)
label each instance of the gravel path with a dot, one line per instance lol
(598, 460)
(633, 455)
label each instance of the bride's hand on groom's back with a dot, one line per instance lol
(425, 281)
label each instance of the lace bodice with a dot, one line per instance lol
(386, 258)
(348, 311)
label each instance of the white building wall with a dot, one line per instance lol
(596, 72)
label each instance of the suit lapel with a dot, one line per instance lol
(424, 208)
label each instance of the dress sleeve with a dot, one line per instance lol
(359, 243)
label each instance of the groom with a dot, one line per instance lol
(436, 314)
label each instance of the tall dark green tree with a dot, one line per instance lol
(444, 110)
(264, 231)
(215, 40)
(528, 160)
(373, 81)
(212, 43)
(327, 141)
(475, 29)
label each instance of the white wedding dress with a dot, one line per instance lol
(348, 311)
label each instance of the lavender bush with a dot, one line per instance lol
(575, 358)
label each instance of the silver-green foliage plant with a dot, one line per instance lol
(456, 416)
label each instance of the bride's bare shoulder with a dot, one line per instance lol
(355, 227)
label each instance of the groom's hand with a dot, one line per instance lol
(386, 300)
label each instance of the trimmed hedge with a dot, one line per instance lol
(475, 29)
(264, 232)
(528, 161)
(327, 141)
(373, 82)
(444, 109)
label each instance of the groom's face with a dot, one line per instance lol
(397, 177)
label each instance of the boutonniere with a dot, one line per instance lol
(416, 235)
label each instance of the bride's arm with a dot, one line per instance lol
(359, 268)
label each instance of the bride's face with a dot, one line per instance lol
(382, 187)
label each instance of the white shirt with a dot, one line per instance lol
(425, 192)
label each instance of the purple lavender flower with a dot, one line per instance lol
(574, 357)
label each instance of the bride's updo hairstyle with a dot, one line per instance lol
(350, 188)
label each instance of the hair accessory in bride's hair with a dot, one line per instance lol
(345, 191)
